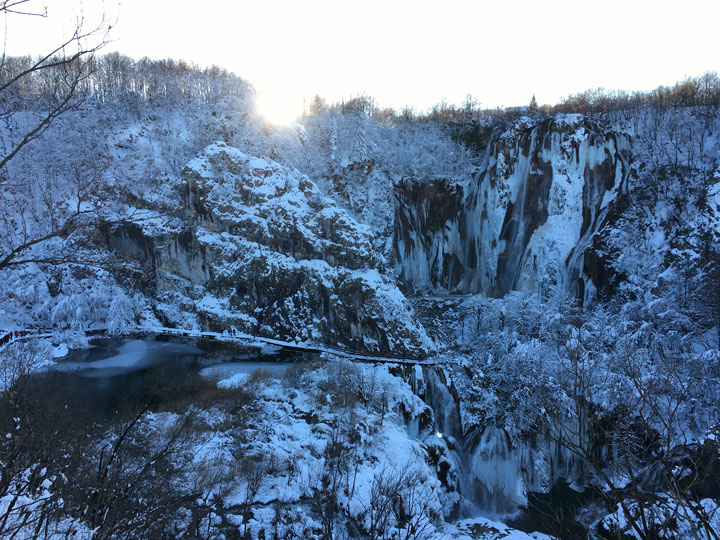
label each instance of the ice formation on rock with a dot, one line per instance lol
(523, 220)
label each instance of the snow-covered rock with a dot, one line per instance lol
(262, 249)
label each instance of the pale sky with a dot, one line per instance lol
(408, 52)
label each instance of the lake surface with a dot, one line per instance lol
(123, 375)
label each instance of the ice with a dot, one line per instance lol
(131, 356)
(230, 369)
(267, 349)
(527, 214)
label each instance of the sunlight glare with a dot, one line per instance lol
(278, 108)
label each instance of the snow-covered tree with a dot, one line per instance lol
(54, 79)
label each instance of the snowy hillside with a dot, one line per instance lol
(535, 297)
(257, 246)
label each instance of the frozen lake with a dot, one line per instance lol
(124, 374)
(138, 355)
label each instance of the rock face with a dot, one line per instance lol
(249, 243)
(257, 246)
(525, 218)
(429, 234)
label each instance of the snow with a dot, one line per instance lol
(60, 351)
(233, 381)
(229, 374)
(492, 530)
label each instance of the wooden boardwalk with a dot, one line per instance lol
(288, 345)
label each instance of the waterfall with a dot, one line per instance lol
(493, 474)
(479, 495)
(448, 427)
(525, 218)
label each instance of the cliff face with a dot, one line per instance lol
(257, 246)
(525, 218)
(250, 243)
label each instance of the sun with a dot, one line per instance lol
(279, 108)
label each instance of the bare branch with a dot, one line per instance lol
(57, 58)
(41, 126)
(11, 6)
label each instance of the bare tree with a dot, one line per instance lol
(400, 506)
(49, 85)
(325, 487)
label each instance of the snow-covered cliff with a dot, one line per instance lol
(525, 217)
(255, 245)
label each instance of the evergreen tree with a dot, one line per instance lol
(533, 107)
